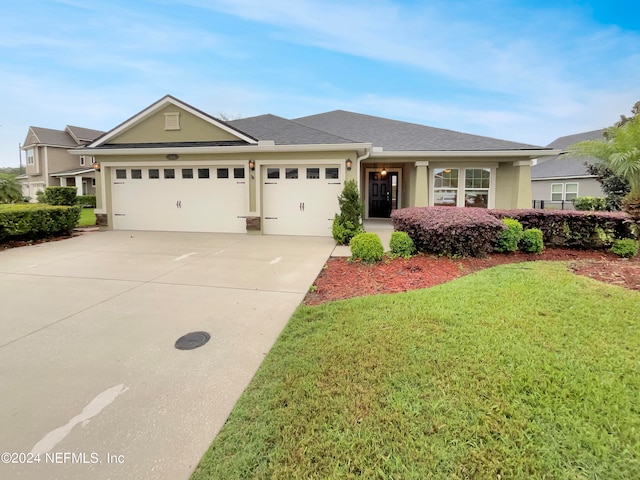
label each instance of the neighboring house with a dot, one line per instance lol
(49, 163)
(559, 179)
(173, 167)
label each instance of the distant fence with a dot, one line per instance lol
(562, 205)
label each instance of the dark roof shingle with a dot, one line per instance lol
(566, 166)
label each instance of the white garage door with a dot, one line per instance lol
(300, 200)
(187, 199)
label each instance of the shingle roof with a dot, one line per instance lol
(395, 135)
(48, 136)
(566, 166)
(285, 132)
(83, 135)
(69, 137)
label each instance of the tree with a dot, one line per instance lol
(614, 186)
(10, 189)
(621, 153)
(348, 223)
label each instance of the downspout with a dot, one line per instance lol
(367, 154)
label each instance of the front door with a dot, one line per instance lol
(383, 193)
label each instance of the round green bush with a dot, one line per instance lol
(625, 247)
(510, 237)
(531, 241)
(401, 244)
(366, 247)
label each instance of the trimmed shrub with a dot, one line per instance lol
(401, 244)
(348, 222)
(449, 231)
(593, 204)
(86, 201)
(573, 229)
(508, 239)
(531, 241)
(366, 247)
(625, 247)
(60, 196)
(32, 221)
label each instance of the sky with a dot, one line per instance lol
(525, 71)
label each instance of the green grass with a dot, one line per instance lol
(87, 218)
(520, 371)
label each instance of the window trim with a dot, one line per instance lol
(563, 191)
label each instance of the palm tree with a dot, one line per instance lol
(621, 153)
(10, 190)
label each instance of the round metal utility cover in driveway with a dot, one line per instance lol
(192, 340)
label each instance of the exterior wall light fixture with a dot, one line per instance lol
(383, 172)
(349, 163)
(96, 167)
(252, 165)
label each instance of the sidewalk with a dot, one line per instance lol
(382, 227)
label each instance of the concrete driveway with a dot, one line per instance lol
(89, 376)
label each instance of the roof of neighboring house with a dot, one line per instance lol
(285, 132)
(70, 137)
(395, 135)
(566, 166)
(73, 172)
(83, 135)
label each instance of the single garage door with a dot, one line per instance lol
(300, 200)
(186, 199)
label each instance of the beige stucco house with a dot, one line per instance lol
(173, 167)
(49, 162)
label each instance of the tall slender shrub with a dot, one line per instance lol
(348, 223)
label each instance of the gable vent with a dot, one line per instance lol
(172, 121)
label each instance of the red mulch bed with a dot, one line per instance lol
(343, 279)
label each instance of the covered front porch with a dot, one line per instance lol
(81, 178)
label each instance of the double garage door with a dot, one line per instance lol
(186, 199)
(295, 199)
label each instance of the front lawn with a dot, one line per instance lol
(519, 371)
(87, 218)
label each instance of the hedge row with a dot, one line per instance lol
(449, 231)
(573, 229)
(476, 231)
(31, 221)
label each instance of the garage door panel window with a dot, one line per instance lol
(121, 173)
(313, 173)
(154, 173)
(291, 173)
(136, 173)
(203, 173)
(238, 173)
(331, 173)
(187, 173)
(169, 173)
(273, 173)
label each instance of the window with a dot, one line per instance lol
(222, 173)
(154, 173)
(313, 173)
(445, 187)
(331, 173)
(187, 173)
(476, 187)
(30, 160)
(291, 173)
(136, 173)
(82, 160)
(169, 173)
(455, 187)
(121, 173)
(563, 192)
(556, 192)
(172, 121)
(273, 173)
(93, 160)
(238, 173)
(203, 173)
